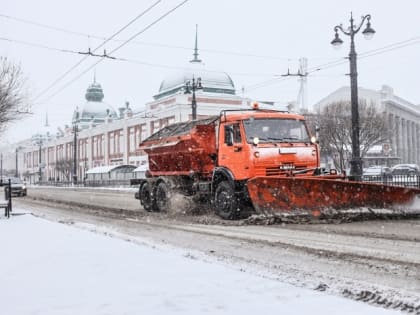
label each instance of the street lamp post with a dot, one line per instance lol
(75, 130)
(39, 163)
(38, 139)
(1, 166)
(356, 169)
(196, 85)
(17, 171)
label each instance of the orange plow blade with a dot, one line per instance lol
(313, 195)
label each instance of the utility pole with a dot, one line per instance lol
(302, 75)
(303, 79)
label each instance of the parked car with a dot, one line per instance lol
(18, 187)
(376, 172)
(406, 169)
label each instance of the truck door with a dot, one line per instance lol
(233, 152)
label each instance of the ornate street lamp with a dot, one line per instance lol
(38, 140)
(356, 169)
(196, 85)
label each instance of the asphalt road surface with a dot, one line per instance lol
(377, 262)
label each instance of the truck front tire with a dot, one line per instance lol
(225, 201)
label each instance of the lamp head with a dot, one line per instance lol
(368, 31)
(337, 41)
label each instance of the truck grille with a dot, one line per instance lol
(275, 170)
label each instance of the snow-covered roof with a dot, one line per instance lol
(212, 81)
(142, 168)
(107, 169)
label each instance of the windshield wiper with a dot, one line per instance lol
(289, 138)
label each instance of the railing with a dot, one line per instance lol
(394, 180)
(88, 183)
(7, 203)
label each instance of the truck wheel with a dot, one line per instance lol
(146, 198)
(162, 195)
(225, 202)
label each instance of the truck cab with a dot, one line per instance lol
(265, 143)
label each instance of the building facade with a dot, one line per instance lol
(105, 137)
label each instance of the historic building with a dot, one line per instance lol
(105, 137)
(402, 116)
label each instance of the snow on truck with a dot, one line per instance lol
(257, 158)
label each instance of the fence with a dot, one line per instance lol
(7, 202)
(395, 180)
(88, 183)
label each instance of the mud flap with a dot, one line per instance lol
(314, 195)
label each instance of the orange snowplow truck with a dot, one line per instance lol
(260, 159)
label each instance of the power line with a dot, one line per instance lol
(337, 62)
(215, 51)
(37, 45)
(101, 45)
(133, 61)
(324, 66)
(341, 61)
(119, 47)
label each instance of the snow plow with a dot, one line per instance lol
(265, 160)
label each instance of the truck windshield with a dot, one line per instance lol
(276, 130)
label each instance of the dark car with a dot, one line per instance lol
(406, 169)
(377, 172)
(18, 187)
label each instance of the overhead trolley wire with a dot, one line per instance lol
(117, 48)
(129, 60)
(55, 82)
(215, 51)
(37, 45)
(323, 66)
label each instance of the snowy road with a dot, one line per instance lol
(53, 268)
(377, 262)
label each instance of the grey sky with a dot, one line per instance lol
(279, 30)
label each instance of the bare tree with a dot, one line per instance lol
(12, 92)
(334, 121)
(64, 167)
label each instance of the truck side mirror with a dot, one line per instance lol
(229, 135)
(317, 133)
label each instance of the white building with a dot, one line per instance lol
(402, 116)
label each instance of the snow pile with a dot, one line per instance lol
(51, 268)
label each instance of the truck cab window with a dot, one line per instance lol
(232, 134)
(276, 130)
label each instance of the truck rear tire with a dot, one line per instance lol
(163, 197)
(146, 198)
(225, 201)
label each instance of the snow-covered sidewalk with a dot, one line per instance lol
(52, 268)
